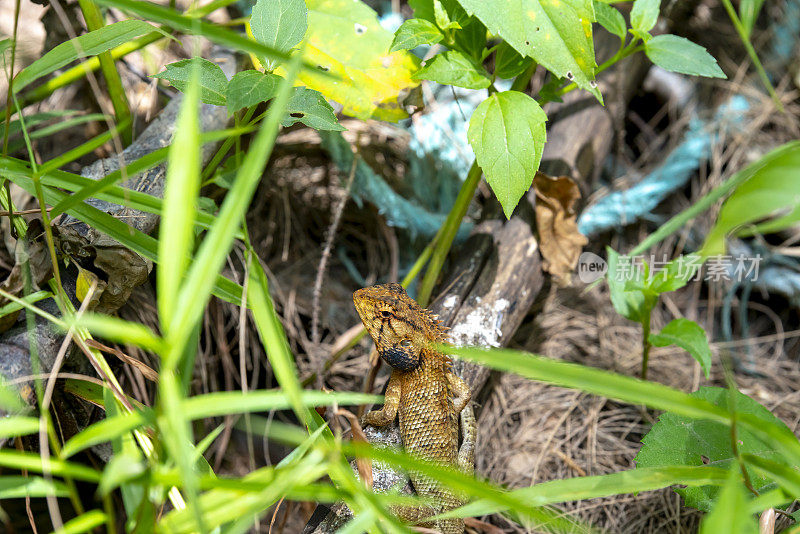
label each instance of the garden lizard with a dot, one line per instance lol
(423, 390)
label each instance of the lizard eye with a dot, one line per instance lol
(405, 343)
(386, 314)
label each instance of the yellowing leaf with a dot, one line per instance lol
(345, 39)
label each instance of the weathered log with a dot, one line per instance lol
(491, 287)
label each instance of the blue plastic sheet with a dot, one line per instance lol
(624, 207)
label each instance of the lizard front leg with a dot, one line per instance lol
(459, 390)
(386, 415)
(469, 430)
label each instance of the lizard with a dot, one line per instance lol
(423, 391)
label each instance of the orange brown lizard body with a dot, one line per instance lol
(423, 391)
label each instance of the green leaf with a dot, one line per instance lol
(556, 34)
(679, 440)
(279, 24)
(213, 82)
(730, 513)
(471, 38)
(273, 337)
(350, 49)
(415, 32)
(508, 64)
(89, 44)
(689, 336)
(507, 134)
(250, 87)
(17, 487)
(23, 460)
(310, 108)
(769, 196)
(442, 18)
(610, 18)
(677, 54)
(20, 425)
(454, 68)
(625, 279)
(181, 188)
(644, 15)
(748, 13)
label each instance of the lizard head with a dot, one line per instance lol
(398, 325)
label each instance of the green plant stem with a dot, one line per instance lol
(7, 203)
(740, 29)
(732, 390)
(94, 21)
(80, 71)
(646, 341)
(448, 233)
(223, 150)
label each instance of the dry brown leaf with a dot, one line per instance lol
(559, 240)
(364, 465)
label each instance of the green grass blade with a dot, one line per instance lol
(106, 430)
(626, 389)
(30, 299)
(23, 460)
(84, 522)
(17, 487)
(225, 505)
(86, 45)
(273, 337)
(213, 32)
(177, 439)
(232, 402)
(79, 151)
(35, 119)
(216, 245)
(595, 381)
(591, 487)
(20, 425)
(120, 331)
(141, 243)
(181, 187)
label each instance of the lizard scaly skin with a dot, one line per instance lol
(423, 391)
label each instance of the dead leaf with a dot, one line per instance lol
(559, 240)
(364, 465)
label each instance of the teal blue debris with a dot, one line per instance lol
(399, 211)
(625, 207)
